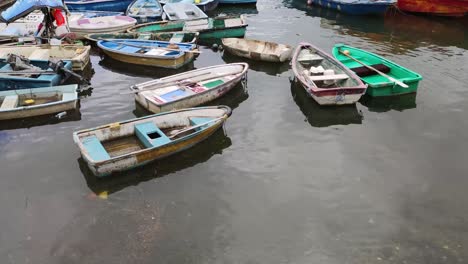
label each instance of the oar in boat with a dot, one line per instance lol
(174, 133)
(184, 82)
(374, 69)
(150, 47)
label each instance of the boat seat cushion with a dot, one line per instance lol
(150, 135)
(10, 101)
(194, 121)
(364, 71)
(95, 149)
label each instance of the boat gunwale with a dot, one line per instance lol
(317, 90)
(238, 75)
(94, 163)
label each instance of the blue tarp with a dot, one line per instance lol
(23, 7)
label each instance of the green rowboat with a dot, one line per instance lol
(209, 28)
(378, 85)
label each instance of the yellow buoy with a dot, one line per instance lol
(103, 194)
(29, 101)
(197, 1)
(346, 52)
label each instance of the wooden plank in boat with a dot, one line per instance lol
(328, 77)
(10, 101)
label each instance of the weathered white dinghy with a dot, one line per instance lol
(128, 144)
(257, 49)
(104, 24)
(190, 88)
(24, 103)
(183, 11)
(77, 54)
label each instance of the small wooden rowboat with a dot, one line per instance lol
(257, 49)
(145, 11)
(189, 89)
(105, 24)
(97, 5)
(378, 85)
(325, 79)
(149, 52)
(128, 144)
(77, 54)
(172, 37)
(209, 28)
(42, 76)
(35, 102)
(183, 11)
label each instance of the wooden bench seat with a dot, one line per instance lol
(10, 101)
(336, 77)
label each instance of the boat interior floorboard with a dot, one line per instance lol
(123, 145)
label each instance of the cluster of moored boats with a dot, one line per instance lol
(30, 76)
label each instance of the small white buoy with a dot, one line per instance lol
(309, 2)
(214, 46)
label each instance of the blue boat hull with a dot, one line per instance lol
(111, 5)
(232, 2)
(44, 80)
(357, 8)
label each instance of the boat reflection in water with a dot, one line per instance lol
(385, 104)
(324, 116)
(72, 115)
(269, 68)
(396, 31)
(140, 71)
(237, 9)
(202, 152)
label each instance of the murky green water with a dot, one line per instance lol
(286, 182)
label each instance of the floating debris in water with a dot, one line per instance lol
(61, 115)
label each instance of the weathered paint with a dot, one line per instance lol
(157, 62)
(257, 50)
(142, 157)
(43, 109)
(455, 8)
(329, 96)
(196, 99)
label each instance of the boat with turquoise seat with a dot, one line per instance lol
(209, 28)
(149, 52)
(378, 85)
(128, 144)
(189, 89)
(39, 76)
(25, 103)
